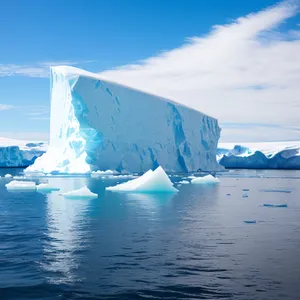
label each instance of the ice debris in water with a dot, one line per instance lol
(46, 187)
(275, 205)
(205, 180)
(8, 176)
(245, 195)
(21, 185)
(245, 190)
(250, 222)
(100, 173)
(184, 182)
(150, 182)
(34, 174)
(84, 192)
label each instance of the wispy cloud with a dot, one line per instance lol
(244, 72)
(37, 70)
(6, 107)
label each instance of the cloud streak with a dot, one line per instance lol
(244, 72)
(6, 107)
(37, 70)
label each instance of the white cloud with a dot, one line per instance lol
(37, 70)
(243, 72)
(6, 107)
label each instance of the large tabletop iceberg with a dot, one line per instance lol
(100, 125)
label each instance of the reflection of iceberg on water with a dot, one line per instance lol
(156, 181)
(66, 234)
(150, 200)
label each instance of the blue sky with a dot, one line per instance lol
(101, 35)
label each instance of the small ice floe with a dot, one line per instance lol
(245, 195)
(34, 174)
(20, 185)
(82, 193)
(184, 182)
(19, 177)
(150, 182)
(208, 179)
(250, 222)
(245, 190)
(275, 205)
(8, 176)
(101, 173)
(46, 187)
(275, 191)
(228, 194)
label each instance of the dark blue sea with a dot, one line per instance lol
(190, 245)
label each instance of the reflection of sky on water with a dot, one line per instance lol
(66, 234)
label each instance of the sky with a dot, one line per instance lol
(238, 61)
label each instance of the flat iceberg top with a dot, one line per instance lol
(205, 180)
(150, 182)
(21, 185)
(23, 144)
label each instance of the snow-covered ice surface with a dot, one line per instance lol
(84, 192)
(20, 153)
(272, 155)
(208, 179)
(21, 185)
(100, 125)
(150, 182)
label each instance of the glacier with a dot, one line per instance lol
(268, 155)
(20, 153)
(98, 125)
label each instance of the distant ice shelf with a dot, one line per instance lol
(20, 153)
(273, 155)
(97, 125)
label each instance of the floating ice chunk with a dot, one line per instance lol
(19, 177)
(150, 182)
(46, 187)
(184, 182)
(84, 192)
(276, 191)
(245, 195)
(205, 180)
(245, 190)
(34, 174)
(8, 176)
(275, 205)
(101, 173)
(250, 222)
(228, 194)
(192, 177)
(21, 185)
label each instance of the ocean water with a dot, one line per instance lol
(190, 245)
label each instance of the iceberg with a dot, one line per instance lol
(150, 182)
(184, 182)
(208, 179)
(19, 153)
(8, 176)
(96, 124)
(272, 155)
(21, 185)
(84, 192)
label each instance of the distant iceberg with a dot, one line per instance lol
(100, 125)
(150, 182)
(19, 153)
(280, 155)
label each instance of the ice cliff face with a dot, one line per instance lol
(100, 125)
(280, 155)
(16, 153)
